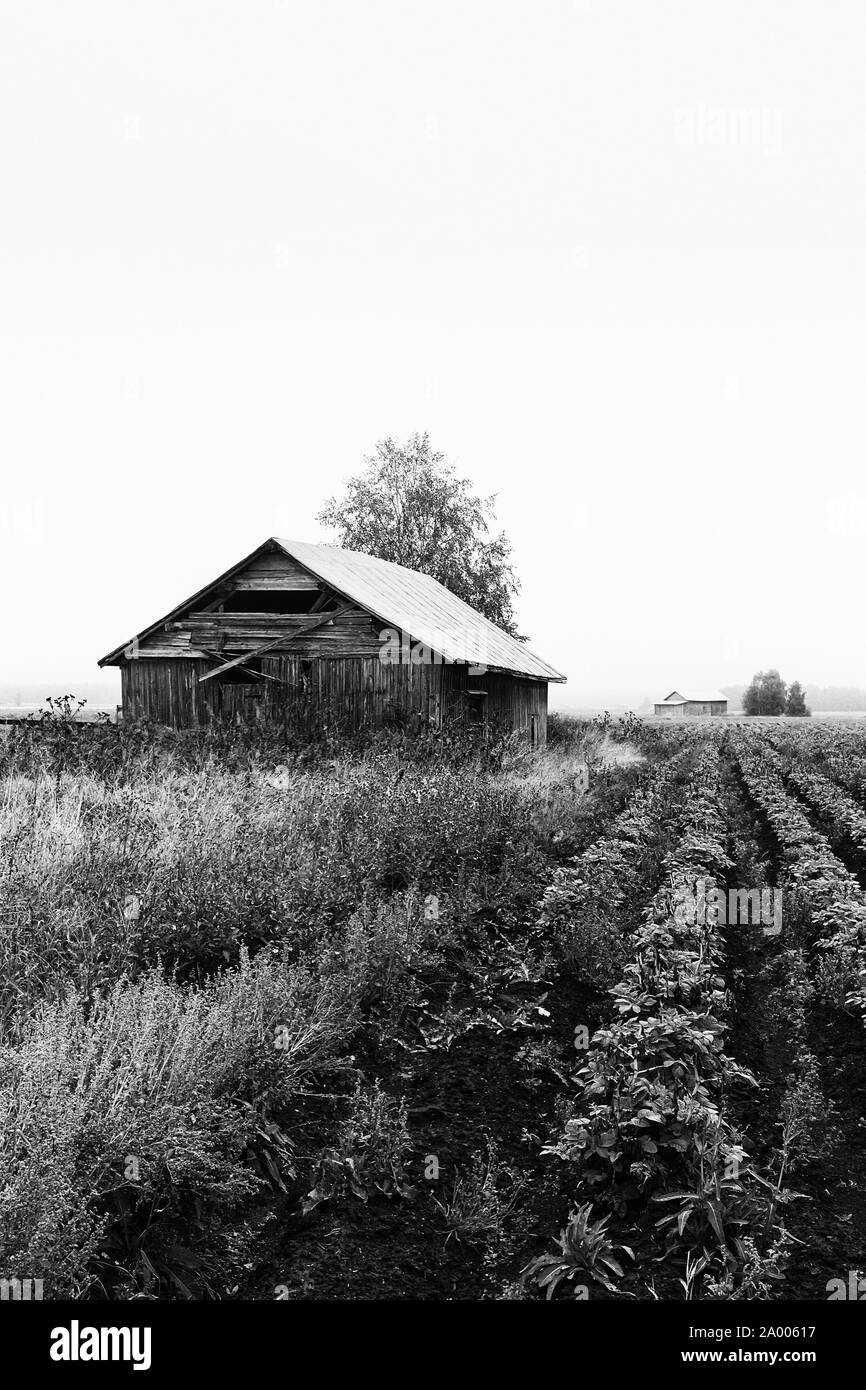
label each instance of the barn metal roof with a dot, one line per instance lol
(421, 607)
(404, 599)
(702, 697)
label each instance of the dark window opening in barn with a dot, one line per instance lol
(271, 601)
(249, 673)
(475, 704)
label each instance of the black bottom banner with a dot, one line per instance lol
(245, 1339)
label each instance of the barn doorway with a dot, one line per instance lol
(476, 708)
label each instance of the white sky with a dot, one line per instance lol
(610, 254)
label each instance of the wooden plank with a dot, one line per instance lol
(178, 639)
(326, 596)
(326, 641)
(269, 583)
(165, 653)
(257, 675)
(269, 646)
(264, 622)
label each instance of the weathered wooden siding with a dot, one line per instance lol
(347, 634)
(514, 704)
(167, 692)
(351, 691)
(692, 707)
(346, 692)
(508, 702)
(351, 633)
(356, 691)
(274, 570)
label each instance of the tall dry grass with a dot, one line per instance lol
(158, 922)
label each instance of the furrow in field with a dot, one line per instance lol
(650, 1134)
(593, 902)
(830, 891)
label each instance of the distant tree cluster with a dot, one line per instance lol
(768, 694)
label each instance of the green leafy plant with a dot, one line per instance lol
(370, 1153)
(585, 1251)
(481, 1200)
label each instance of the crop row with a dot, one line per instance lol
(588, 902)
(831, 892)
(828, 777)
(832, 803)
(650, 1122)
(838, 751)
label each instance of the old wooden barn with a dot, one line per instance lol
(327, 636)
(692, 702)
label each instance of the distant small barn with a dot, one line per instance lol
(330, 637)
(693, 702)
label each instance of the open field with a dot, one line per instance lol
(753, 721)
(283, 1022)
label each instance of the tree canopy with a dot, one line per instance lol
(796, 701)
(408, 506)
(768, 694)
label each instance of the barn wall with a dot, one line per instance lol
(351, 691)
(514, 703)
(693, 707)
(345, 691)
(351, 633)
(274, 570)
(358, 690)
(167, 692)
(346, 634)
